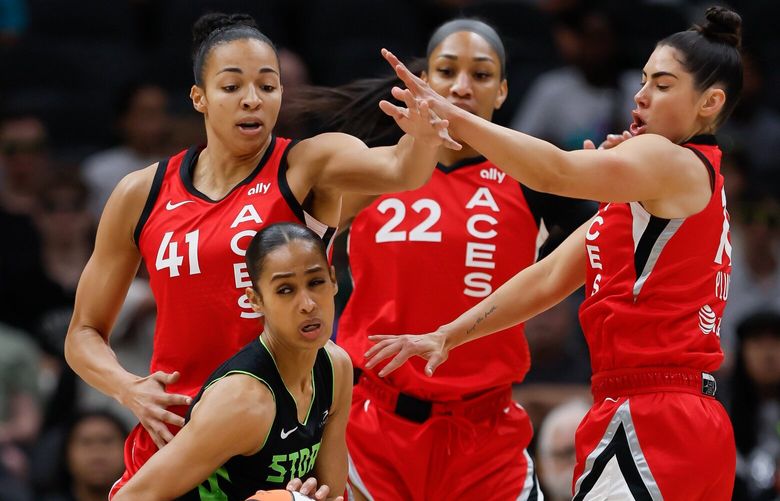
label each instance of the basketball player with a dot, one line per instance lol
(276, 410)
(190, 218)
(655, 262)
(419, 257)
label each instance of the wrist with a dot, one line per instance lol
(122, 390)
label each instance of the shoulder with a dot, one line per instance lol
(135, 187)
(239, 395)
(321, 146)
(342, 365)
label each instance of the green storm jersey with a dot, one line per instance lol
(291, 447)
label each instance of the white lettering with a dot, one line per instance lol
(244, 304)
(492, 174)
(483, 198)
(238, 236)
(471, 226)
(476, 251)
(248, 213)
(591, 236)
(596, 282)
(722, 284)
(241, 276)
(594, 257)
(259, 188)
(478, 284)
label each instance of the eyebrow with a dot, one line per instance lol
(233, 69)
(658, 74)
(287, 274)
(476, 58)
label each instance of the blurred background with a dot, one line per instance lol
(92, 90)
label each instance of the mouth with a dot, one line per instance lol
(638, 126)
(250, 126)
(311, 328)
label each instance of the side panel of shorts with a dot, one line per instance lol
(448, 457)
(671, 446)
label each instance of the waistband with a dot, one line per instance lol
(627, 382)
(475, 407)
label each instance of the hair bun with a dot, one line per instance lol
(209, 23)
(723, 25)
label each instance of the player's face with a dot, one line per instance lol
(668, 103)
(241, 94)
(296, 289)
(466, 70)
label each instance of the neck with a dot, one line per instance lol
(294, 364)
(218, 169)
(449, 157)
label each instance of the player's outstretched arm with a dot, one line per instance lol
(528, 293)
(232, 418)
(99, 297)
(617, 174)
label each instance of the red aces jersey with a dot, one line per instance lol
(194, 250)
(656, 288)
(420, 258)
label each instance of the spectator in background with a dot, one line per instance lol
(755, 273)
(555, 449)
(24, 162)
(144, 125)
(755, 408)
(755, 127)
(589, 97)
(91, 459)
(13, 21)
(20, 414)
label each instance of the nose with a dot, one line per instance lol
(462, 85)
(251, 99)
(307, 304)
(641, 98)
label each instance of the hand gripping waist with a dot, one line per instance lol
(474, 407)
(635, 381)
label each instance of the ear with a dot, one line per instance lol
(198, 97)
(255, 299)
(333, 279)
(503, 90)
(712, 102)
(424, 76)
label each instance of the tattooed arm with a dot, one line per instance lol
(528, 293)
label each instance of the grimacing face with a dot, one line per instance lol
(465, 69)
(295, 293)
(241, 94)
(668, 103)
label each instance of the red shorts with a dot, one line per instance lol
(674, 443)
(474, 449)
(139, 447)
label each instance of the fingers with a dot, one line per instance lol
(309, 486)
(394, 111)
(414, 83)
(170, 417)
(169, 399)
(294, 485)
(435, 361)
(381, 351)
(160, 433)
(322, 493)
(166, 378)
(395, 363)
(588, 145)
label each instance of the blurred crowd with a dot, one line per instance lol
(90, 91)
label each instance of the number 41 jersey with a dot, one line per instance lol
(194, 250)
(420, 258)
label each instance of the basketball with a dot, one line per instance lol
(278, 495)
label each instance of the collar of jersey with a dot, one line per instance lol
(466, 162)
(191, 159)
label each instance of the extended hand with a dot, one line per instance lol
(428, 346)
(418, 120)
(309, 488)
(147, 399)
